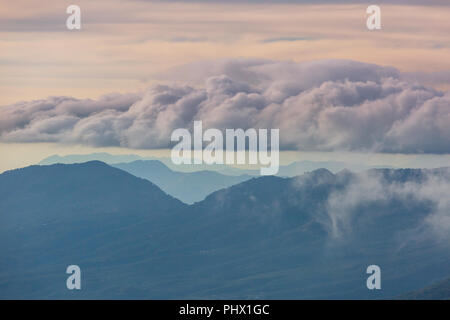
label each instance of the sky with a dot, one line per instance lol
(139, 69)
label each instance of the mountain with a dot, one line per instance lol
(436, 291)
(311, 236)
(88, 214)
(293, 169)
(279, 233)
(115, 159)
(189, 187)
(300, 167)
(99, 156)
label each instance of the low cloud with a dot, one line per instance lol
(371, 195)
(324, 105)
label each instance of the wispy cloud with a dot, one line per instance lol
(415, 199)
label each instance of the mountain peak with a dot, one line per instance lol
(92, 181)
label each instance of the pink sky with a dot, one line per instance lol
(128, 45)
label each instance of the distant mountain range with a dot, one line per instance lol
(291, 170)
(300, 167)
(189, 187)
(267, 237)
(99, 156)
(115, 159)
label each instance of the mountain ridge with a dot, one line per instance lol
(265, 238)
(189, 187)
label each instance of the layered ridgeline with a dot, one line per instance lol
(293, 169)
(311, 236)
(189, 187)
(182, 183)
(192, 183)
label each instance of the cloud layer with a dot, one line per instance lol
(321, 105)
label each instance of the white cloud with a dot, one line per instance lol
(422, 194)
(324, 105)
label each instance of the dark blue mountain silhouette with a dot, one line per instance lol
(267, 237)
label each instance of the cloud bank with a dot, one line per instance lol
(324, 105)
